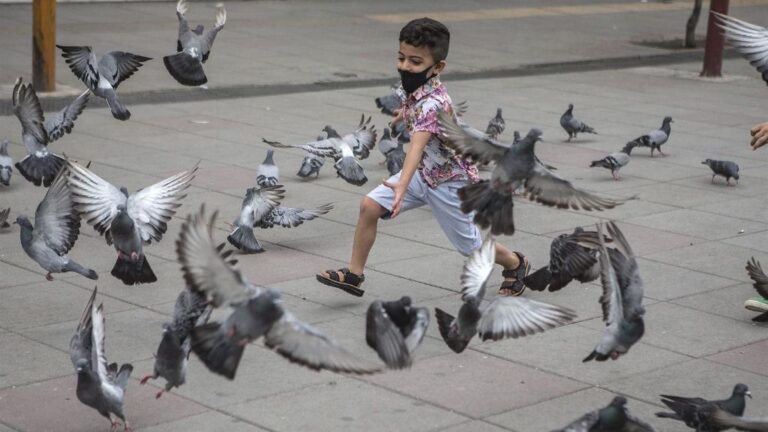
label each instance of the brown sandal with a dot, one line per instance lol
(344, 280)
(513, 284)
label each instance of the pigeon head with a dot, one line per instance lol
(619, 401)
(385, 134)
(570, 107)
(4, 147)
(81, 365)
(742, 390)
(534, 134)
(405, 301)
(5, 175)
(268, 160)
(707, 161)
(23, 222)
(124, 190)
(516, 136)
(198, 30)
(331, 132)
(668, 119)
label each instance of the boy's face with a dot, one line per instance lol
(417, 59)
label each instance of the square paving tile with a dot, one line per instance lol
(209, 421)
(708, 226)
(749, 357)
(710, 258)
(30, 361)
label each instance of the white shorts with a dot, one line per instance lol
(445, 204)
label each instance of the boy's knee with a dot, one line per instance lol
(371, 209)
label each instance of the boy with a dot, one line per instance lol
(759, 134)
(431, 174)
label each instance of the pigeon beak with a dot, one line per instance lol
(15, 223)
(748, 393)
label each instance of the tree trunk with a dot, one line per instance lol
(690, 26)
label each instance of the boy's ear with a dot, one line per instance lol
(440, 66)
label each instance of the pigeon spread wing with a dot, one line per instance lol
(383, 335)
(117, 66)
(56, 221)
(98, 355)
(759, 278)
(62, 122)
(548, 188)
(477, 269)
(27, 108)
(210, 35)
(80, 345)
(750, 40)
(326, 147)
(469, 141)
(288, 217)
(82, 62)
(514, 317)
(362, 140)
(95, 198)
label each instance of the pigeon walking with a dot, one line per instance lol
(267, 173)
(572, 125)
(504, 317)
(750, 40)
(496, 126)
(103, 76)
(516, 166)
(193, 48)
(615, 161)
(255, 313)
(755, 271)
(128, 221)
(4, 218)
(191, 310)
(41, 166)
(100, 386)
(311, 164)
(56, 229)
(568, 260)
(725, 169)
(689, 409)
(613, 418)
(395, 329)
(6, 164)
(655, 139)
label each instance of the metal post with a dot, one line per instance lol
(713, 50)
(44, 45)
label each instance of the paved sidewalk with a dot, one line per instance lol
(693, 239)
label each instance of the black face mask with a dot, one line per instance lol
(413, 80)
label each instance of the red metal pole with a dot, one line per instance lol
(713, 50)
(44, 45)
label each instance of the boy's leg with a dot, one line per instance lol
(365, 233)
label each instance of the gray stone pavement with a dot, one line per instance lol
(693, 239)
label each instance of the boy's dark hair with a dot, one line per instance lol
(430, 33)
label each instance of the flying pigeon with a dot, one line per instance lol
(568, 260)
(504, 317)
(255, 312)
(56, 229)
(750, 40)
(100, 386)
(4, 218)
(191, 310)
(390, 103)
(41, 166)
(516, 166)
(102, 76)
(615, 161)
(760, 284)
(128, 221)
(393, 152)
(311, 164)
(345, 150)
(6, 164)
(516, 139)
(725, 169)
(267, 173)
(193, 48)
(496, 126)
(395, 329)
(622, 299)
(689, 409)
(572, 125)
(655, 139)
(613, 418)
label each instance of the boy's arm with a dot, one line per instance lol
(759, 135)
(419, 141)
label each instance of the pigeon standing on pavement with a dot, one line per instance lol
(689, 409)
(56, 229)
(725, 169)
(6, 164)
(496, 126)
(504, 317)
(100, 386)
(103, 76)
(572, 125)
(613, 418)
(395, 329)
(615, 161)
(655, 139)
(255, 312)
(516, 166)
(267, 173)
(193, 48)
(568, 260)
(128, 221)
(41, 166)
(750, 40)
(191, 310)
(755, 271)
(4, 218)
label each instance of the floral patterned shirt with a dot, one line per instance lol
(439, 163)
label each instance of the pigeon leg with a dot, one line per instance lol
(146, 378)
(113, 428)
(713, 178)
(661, 152)
(126, 428)
(49, 276)
(160, 393)
(615, 176)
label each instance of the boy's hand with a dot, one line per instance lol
(759, 135)
(396, 119)
(399, 188)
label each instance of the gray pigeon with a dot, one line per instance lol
(622, 299)
(255, 312)
(392, 102)
(128, 221)
(386, 143)
(267, 173)
(41, 166)
(191, 309)
(572, 125)
(393, 152)
(4, 218)
(615, 161)
(400, 131)
(504, 317)
(516, 166)
(655, 139)
(193, 48)
(496, 126)
(689, 410)
(725, 169)
(395, 329)
(568, 260)
(613, 418)
(311, 164)
(100, 386)
(750, 40)
(56, 229)
(755, 271)
(102, 76)
(723, 420)
(6, 164)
